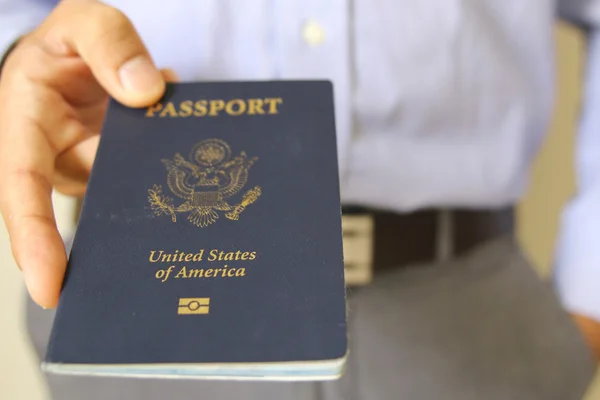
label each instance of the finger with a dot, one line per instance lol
(109, 44)
(169, 75)
(27, 156)
(71, 188)
(31, 101)
(26, 205)
(73, 167)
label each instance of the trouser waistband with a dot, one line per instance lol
(387, 239)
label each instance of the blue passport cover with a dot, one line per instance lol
(210, 232)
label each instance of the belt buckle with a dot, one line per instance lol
(357, 237)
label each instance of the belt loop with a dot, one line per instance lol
(444, 240)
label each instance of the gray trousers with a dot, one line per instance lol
(482, 326)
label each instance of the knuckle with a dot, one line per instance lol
(111, 32)
(109, 20)
(30, 222)
(31, 176)
(112, 14)
(20, 59)
(28, 60)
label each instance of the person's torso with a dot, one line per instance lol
(438, 102)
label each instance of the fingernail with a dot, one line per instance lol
(139, 75)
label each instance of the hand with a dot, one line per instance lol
(591, 332)
(54, 91)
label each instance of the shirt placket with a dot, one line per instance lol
(312, 41)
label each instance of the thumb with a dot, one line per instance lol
(109, 44)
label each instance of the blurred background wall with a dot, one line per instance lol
(551, 186)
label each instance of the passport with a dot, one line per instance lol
(209, 241)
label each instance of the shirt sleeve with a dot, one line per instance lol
(18, 17)
(577, 263)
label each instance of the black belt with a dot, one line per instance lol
(402, 239)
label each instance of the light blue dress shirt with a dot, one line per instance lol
(438, 102)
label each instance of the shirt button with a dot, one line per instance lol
(313, 33)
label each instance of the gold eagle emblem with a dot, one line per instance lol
(205, 181)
